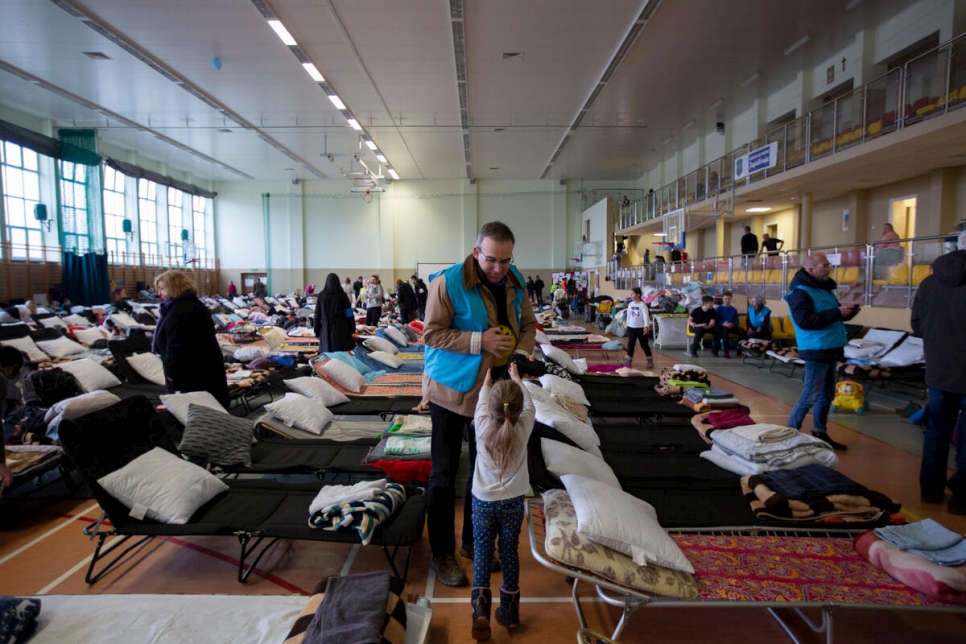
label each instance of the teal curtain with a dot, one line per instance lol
(85, 278)
(81, 211)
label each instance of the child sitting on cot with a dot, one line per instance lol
(504, 419)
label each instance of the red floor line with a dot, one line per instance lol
(278, 581)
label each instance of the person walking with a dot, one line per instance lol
(406, 300)
(185, 339)
(476, 316)
(334, 318)
(530, 288)
(504, 420)
(819, 322)
(422, 293)
(937, 316)
(638, 328)
(538, 287)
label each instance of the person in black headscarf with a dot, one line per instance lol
(185, 340)
(334, 319)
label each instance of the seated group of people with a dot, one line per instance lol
(722, 322)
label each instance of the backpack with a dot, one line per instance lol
(53, 385)
(29, 419)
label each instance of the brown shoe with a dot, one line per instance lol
(448, 571)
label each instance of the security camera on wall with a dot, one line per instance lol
(719, 127)
(295, 181)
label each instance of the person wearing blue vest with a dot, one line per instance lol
(477, 315)
(819, 322)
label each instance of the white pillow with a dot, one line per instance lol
(560, 357)
(537, 392)
(683, 366)
(27, 346)
(397, 336)
(61, 347)
(295, 410)
(345, 375)
(90, 336)
(81, 405)
(318, 390)
(386, 358)
(123, 319)
(247, 354)
(581, 433)
(90, 375)
(565, 459)
(78, 320)
(623, 523)
(541, 337)
(54, 323)
(376, 343)
(557, 385)
(148, 366)
(177, 404)
(162, 487)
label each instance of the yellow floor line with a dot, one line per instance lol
(63, 525)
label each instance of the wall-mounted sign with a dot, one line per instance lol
(830, 75)
(756, 161)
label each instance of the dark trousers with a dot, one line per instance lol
(373, 313)
(944, 407)
(699, 333)
(448, 430)
(722, 332)
(634, 336)
(405, 315)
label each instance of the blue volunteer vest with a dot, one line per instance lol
(755, 320)
(832, 336)
(459, 371)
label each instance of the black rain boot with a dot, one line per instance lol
(481, 601)
(508, 613)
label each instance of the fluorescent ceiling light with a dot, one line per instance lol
(313, 72)
(798, 44)
(659, 235)
(371, 145)
(718, 103)
(381, 158)
(282, 32)
(751, 79)
(354, 124)
(392, 173)
(339, 105)
(688, 124)
(758, 209)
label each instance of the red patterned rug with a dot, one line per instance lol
(791, 569)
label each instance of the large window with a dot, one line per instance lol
(114, 216)
(199, 207)
(148, 221)
(175, 225)
(21, 192)
(73, 203)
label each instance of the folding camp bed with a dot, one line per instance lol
(31, 463)
(642, 410)
(803, 570)
(250, 510)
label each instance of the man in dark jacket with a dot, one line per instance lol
(538, 290)
(819, 322)
(422, 293)
(937, 317)
(406, 299)
(749, 247)
(357, 287)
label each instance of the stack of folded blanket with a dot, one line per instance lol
(703, 399)
(404, 451)
(753, 449)
(675, 380)
(923, 555)
(708, 422)
(360, 507)
(814, 493)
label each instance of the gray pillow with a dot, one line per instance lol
(219, 438)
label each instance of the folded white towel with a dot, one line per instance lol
(414, 423)
(332, 494)
(764, 432)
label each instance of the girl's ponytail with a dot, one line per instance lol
(505, 405)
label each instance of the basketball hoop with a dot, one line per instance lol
(367, 197)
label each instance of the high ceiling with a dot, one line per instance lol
(531, 68)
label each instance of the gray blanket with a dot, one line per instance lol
(353, 611)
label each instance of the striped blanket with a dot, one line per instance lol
(363, 516)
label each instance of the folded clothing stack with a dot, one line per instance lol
(741, 449)
(814, 493)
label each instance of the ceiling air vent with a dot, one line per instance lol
(96, 55)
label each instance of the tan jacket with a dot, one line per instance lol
(438, 334)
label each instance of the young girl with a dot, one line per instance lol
(638, 326)
(504, 419)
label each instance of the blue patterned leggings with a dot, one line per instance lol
(505, 517)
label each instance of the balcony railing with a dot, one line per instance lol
(927, 86)
(876, 274)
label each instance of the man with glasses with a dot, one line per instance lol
(819, 322)
(476, 316)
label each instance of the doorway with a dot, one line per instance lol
(902, 216)
(248, 281)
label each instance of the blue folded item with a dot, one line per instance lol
(613, 344)
(284, 360)
(18, 618)
(927, 539)
(368, 373)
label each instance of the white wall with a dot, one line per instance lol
(913, 24)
